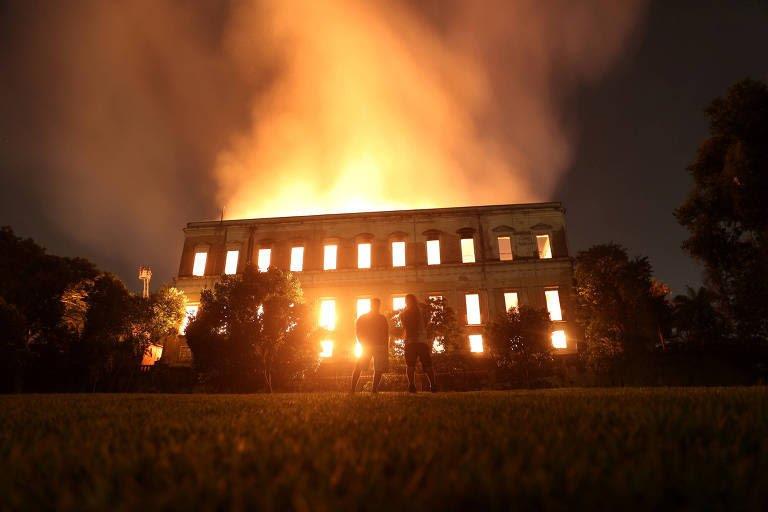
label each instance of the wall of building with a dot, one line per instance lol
(527, 274)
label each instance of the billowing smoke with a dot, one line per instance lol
(120, 121)
(385, 105)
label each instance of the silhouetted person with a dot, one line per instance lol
(372, 331)
(417, 347)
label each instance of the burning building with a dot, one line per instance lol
(482, 260)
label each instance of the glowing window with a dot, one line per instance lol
(364, 255)
(398, 303)
(473, 308)
(329, 256)
(328, 314)
(326, 348)
(545, 249)
(553, 305)
(438, 346)
(505, 248)
(198, 267)
(190, 313)
(476, 343)
(558, 339)
(510, 300)
(265, 255)
(230, 264)
(363, 306)
(398, 254)
(433, 252)
(467, 250)
(297, 259)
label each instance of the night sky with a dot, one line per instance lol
(634, 132)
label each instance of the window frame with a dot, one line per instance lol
(229, 251)
(335, 251)
(471, 239)
(467, 309)
(259, 252)
(439, 252)
(549, 246)
(547, 294)
(511, 249)
(291, 262)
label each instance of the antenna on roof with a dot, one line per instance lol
(222, 213)
(145, 275)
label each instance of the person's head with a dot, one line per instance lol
(375, 305)
(410, 301)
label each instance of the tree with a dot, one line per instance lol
(254, 323)
(696, 318)
(166, 314)
(726, 212)
(111, 343)
(34, 282)
(13, 347)
(520, 339)
(622, 309)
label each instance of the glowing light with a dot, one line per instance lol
(438, 346)
(198, 267)
(230, 265)
(358, 350)
(559, 340)
(510, 300)
(398, 254)
(553, 305)
(364, 255)
(297, 259)
(467, 250)
(265, 255)
(328, 314)
(545, 249)
(433, 252)
(476, 343)
(326, 348)
(473, 308)
(363, 306)
(329, 256)
(190, 313)
(398, 303)
(505, 248)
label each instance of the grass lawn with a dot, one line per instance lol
(554, 449)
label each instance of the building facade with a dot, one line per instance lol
(482, 260)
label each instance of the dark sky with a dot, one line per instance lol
(635, 131)
(640, 127)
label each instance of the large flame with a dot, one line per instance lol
(376, 107)
(127, 119)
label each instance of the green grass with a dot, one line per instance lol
(560, 449)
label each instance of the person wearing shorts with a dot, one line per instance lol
(372, 330)
(417, 347)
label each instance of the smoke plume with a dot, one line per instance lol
(123, 120)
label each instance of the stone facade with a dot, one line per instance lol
(535, 233)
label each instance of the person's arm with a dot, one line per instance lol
(358, 327)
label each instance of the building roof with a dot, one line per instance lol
(369, 215)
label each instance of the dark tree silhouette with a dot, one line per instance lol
(520, 340)
(695, 317)
(622, 309)
(726, 212)
(249, 325)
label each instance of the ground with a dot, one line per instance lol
(554, 449)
